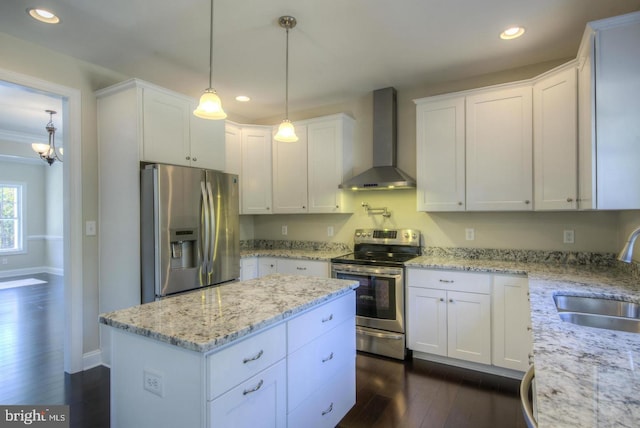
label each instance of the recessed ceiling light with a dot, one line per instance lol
(43, 15)
(243, 98)
(512, 33)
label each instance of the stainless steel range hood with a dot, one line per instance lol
(384, 174)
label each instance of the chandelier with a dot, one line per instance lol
(49, 152)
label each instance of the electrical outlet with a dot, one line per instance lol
(90, 228)
(153, 382)
(568, 237)
(284, 230)
(5, 261)
(329, 230)
(470, 234)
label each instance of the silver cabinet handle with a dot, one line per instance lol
(442, 299)
(337, 206)
(529, 328)
(195, 159)
(450, 300)
(254, 389)
(460, 203)
(569, 199)
(446, 281)
(303, 207)
(527, 202)
(329, 410)
(187, 157)
(330, 357)
(255, 357)
(301, 268)
(329, 318)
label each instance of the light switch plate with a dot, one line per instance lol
(470, 234)
(90, 228)
(568, 237)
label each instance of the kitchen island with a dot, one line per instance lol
(585, 377)
(273, 351)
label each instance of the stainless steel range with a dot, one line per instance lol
(377, 263)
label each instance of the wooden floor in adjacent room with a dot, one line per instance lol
(390, 393)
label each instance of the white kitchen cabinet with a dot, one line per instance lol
(306, 174)
(249, 268)
(172, 134)
(555, 140)
(255, 178)
(609, 60)
(440, 154)
(303, 267)
(290, 174)
(511, 335)
(267, 266)
(449, 314)
(499, 149)
(329, 163)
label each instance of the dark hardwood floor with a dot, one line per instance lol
(390, 393)
(31, 355)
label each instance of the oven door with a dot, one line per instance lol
(380, 296)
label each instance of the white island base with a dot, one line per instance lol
(298, 371)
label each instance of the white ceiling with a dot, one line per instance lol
(340, 49)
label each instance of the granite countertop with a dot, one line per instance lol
(207, 319)
(585, 377)
(303, 254)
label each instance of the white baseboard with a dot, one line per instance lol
(31, 271)
(92, 359)
(500, 371)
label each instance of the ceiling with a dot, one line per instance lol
(340, 49)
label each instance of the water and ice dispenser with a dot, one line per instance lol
(184, 248)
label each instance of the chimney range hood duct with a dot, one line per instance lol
(384, 174)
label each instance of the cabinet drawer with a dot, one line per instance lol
(329, 403)
(311, 365)
(257, 402)
(450, 280)
(312, 324)
(229, 367)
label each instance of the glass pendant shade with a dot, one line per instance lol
(286, 132)
(210, 106)
(40, 148)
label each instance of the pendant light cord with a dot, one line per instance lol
(286, 85)
(211, 47)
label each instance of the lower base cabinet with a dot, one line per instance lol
(298, 373)
(472, 317)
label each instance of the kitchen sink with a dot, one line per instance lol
(598, 312)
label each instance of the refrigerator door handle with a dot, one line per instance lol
(211, 231)
(204, 240)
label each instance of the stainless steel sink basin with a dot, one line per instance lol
(597, 312)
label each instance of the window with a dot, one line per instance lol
(10, 218)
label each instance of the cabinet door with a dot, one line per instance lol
(469, 326)
(207, 143)
(555, 163)
(233, 153)
(304, 267)
(427, 320)
(260, 401)
(511, 322)
(329, 159)
(617, 115)
(290, 174)
(440, 155)
(165, 128)
(586, 131)
(248, 268)
(499, 150)
(256, 170)
(267, 266)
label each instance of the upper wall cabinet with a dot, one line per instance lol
(440, 154)
(255, 177)
(609, 106)
(306, 174)
(499, 150)
(555, 139)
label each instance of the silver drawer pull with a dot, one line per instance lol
(329, 410)
(254, 389)
(301, 268)
(447, 281)
(255, 357)
(329, 318)
(330, 357)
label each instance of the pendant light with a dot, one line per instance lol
(48, 152)
(210, 106)
(286, 131)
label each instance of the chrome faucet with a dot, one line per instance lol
(626, 255)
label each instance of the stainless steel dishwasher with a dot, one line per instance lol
(528, 398)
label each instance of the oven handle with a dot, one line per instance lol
(379, 335)
(366, 270)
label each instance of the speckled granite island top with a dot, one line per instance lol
(585, 377)
(206, 319)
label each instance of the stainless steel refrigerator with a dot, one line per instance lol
(190, 234)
